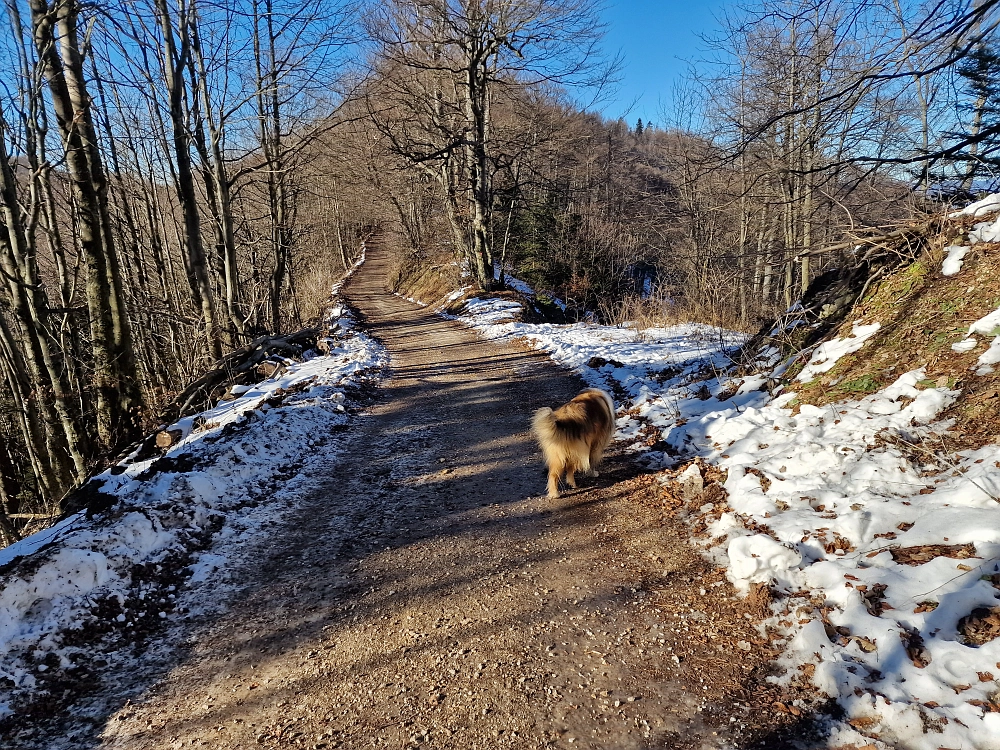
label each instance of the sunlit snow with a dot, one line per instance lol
(847, 484)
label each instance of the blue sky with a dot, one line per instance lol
(656, 37)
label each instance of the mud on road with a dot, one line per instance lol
(427, 594)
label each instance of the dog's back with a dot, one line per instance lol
(598, 411)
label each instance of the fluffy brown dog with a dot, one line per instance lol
(574, 436)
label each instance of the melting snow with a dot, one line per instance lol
(989, 358)
(987, 231)
(953, 263)
(827, 353)
(988, 325)
(237, 482)
(833, 496)
(987, 205)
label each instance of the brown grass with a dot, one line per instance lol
(423, 278)
(660, 312)
(313, 290)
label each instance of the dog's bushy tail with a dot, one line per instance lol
(608, 432)
(544, 426)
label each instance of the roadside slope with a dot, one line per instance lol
(850, 476)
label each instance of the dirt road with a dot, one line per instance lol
(427, 594)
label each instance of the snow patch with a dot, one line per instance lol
(865, 506)
(829, 352)
(988, 325)
(987, 205)
(989, 358)
(758, 558)
(987, 231)
(953, 263)
(215, 483)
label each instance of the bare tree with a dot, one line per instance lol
(119, 401)
(905, 52)
(152, 158)
(442, 63)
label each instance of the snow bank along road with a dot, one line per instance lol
(426, 593)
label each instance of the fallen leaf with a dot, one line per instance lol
(865, 644)
(863, 722)
(920, 554)
(981, 626)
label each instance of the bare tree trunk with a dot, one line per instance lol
(340, 241)
(270, 134)
(481, 195)
(220, 197)
(119, 399)
(10, 485)
(128, 236)
(30, 308)
(27, 417)
(452, 209)
(174, 64)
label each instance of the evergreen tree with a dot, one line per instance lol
(980, 73)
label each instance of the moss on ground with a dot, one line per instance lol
(922, 313)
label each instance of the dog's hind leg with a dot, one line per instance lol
(554, 472)
(596, 454)
(573, 465)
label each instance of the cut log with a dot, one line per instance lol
(242, 366)
(269, 368)
(167, 438)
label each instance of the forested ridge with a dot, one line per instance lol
(183, 179)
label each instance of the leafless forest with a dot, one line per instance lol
(180, 178)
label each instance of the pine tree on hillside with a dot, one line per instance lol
(638, 128)
(980, 74)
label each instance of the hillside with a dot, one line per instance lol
(853, 484)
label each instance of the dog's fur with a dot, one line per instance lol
(574, 436)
